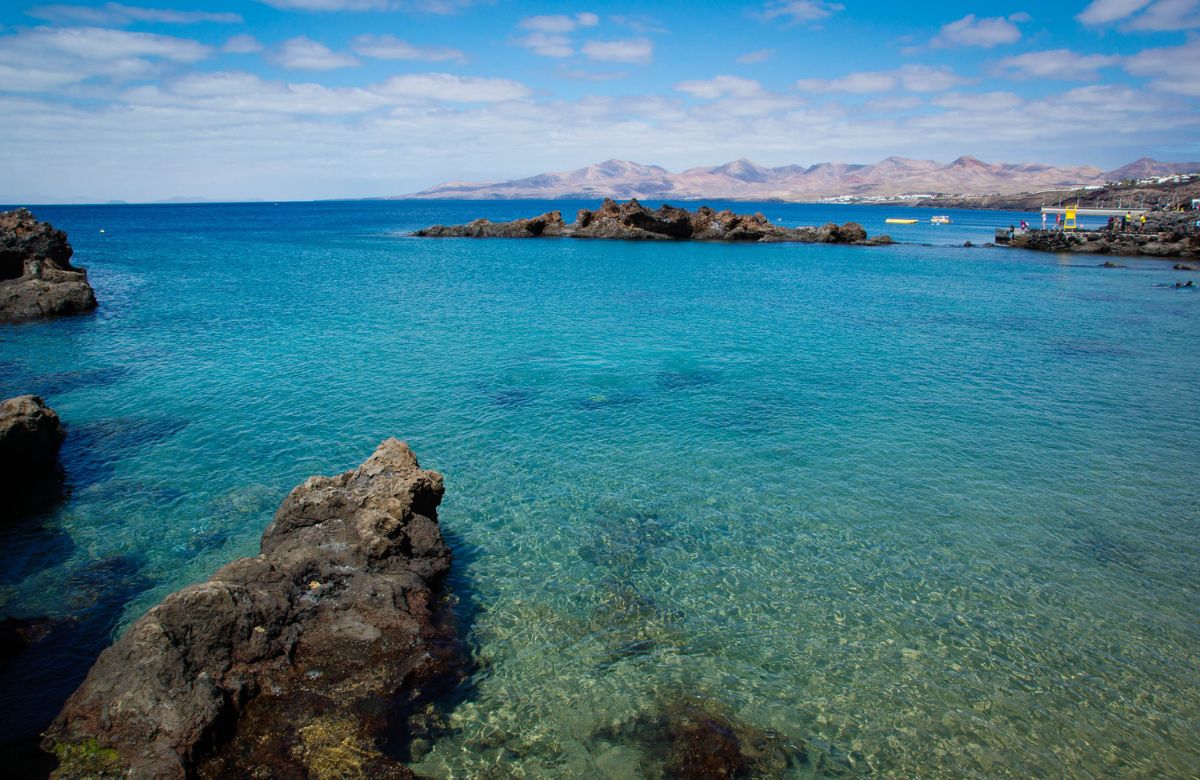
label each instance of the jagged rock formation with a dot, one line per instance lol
(30, 435)
(36, 275)
(1166, 234)
(303, 661)
(633, 221)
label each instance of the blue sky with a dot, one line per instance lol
(302, 99)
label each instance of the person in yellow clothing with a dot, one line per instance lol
(1142, 224)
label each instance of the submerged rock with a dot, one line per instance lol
(303, 661)
(633, 221)
(692, 739)
(36, 275)
(30, 436)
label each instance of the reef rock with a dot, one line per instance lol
(36, 275)
(30, 435)
(633, 221)
(303, 661)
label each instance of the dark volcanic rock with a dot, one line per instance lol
(36, 275)
(548, 224)
(1166, 235)
(30, 436)
(633, 221)
(303, 661)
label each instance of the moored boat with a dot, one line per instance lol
(939, 220)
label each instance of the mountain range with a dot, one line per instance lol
(745, 180)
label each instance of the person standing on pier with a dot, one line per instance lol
(1043, 221)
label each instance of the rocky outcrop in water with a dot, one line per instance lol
(30, 436)
(36, 275)
(1166, 234)
(306, 660)
(633, 221)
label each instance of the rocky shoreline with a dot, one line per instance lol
(36, 276)
(1168, 235)
(307, 660)
(633, 221)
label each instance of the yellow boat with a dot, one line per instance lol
(901, 221)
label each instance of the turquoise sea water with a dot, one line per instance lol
(927, 511)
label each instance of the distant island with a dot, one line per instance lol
(890, 179)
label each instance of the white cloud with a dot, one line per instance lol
(576, 74)
(733, 96)
(559, 23)
(422, 6)
(720, 86)
(35, 78)
(98, 44)
(1159, 15)
(389, 47)
(1105, 11)
(161, 144)
(1167, 15)
(329, 5)
(988, 32)
(893, 104)
(547, 44)
(549, 36)
(853, 83)
(238, 92)
(762, 55)
(245, 93)
(798, 11)
(242, 44)
(52, 59)
(980, 102)
(457, 89)
(303, 53)
(1062, 64)
(633, 50)
(914, 78)
(118, 14)
(1173, 69)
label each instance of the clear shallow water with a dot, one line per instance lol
(930, 511)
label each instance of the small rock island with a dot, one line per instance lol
(36, 276)
(633, 221)
(302, 661)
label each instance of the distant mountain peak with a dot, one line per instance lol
(744, 179)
